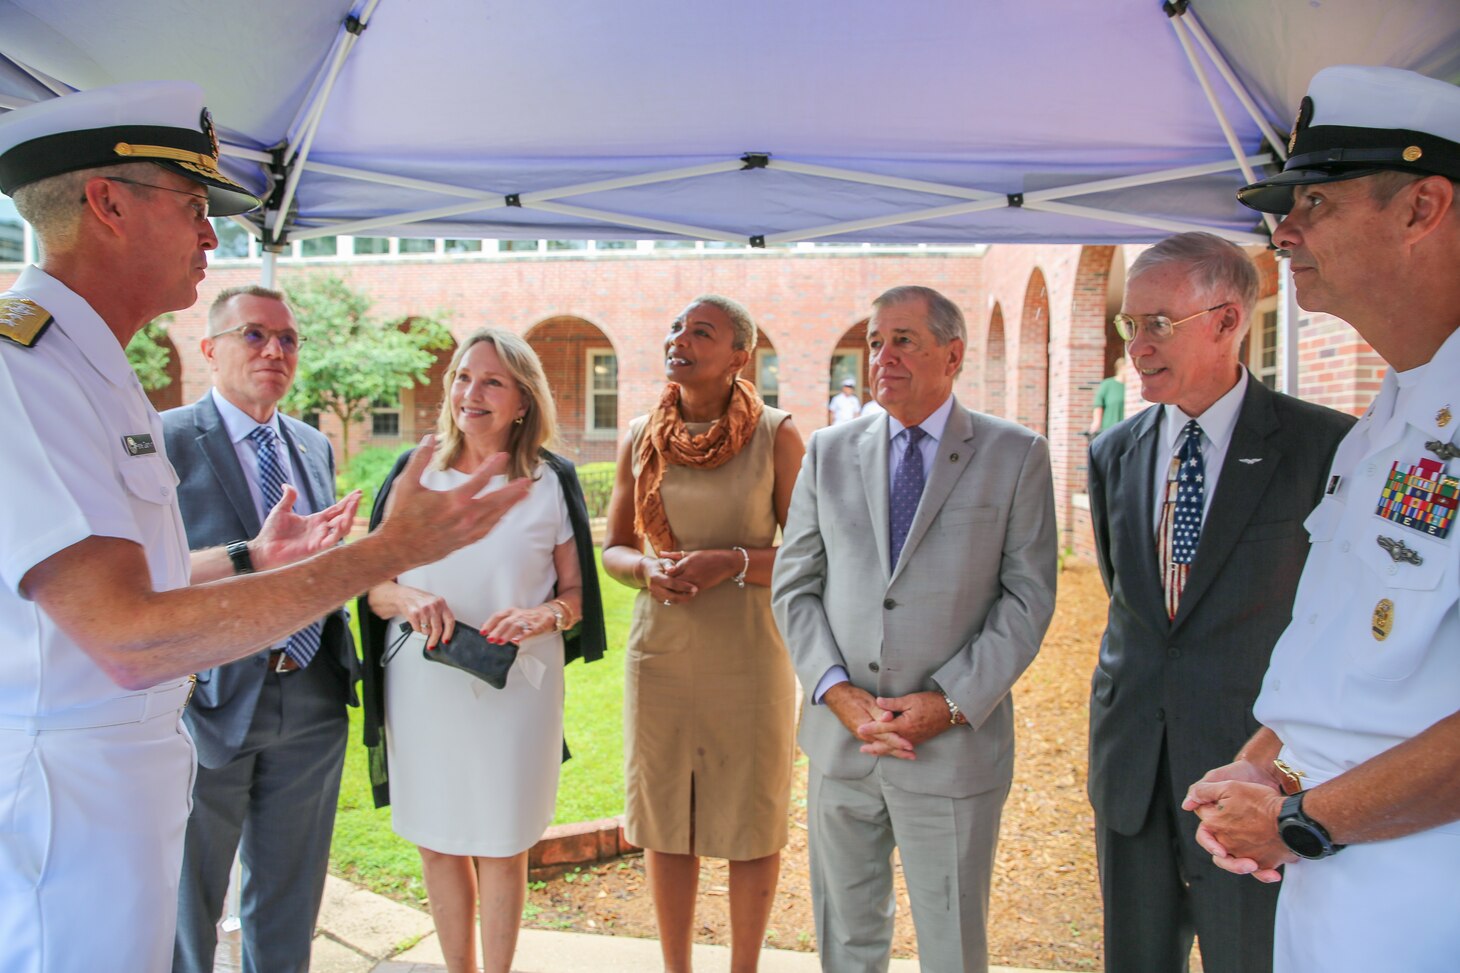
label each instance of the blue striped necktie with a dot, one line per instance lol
(303, 644)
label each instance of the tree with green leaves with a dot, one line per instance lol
(150, 354)
(353, 359)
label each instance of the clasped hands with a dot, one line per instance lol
(675, 577)
(1238, 805)
(888, 726)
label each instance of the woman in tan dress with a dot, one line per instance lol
(703, 482)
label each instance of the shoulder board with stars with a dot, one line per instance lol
(22, 322)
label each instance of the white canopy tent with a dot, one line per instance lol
(757, 122)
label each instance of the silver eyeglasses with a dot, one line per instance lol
(257, 338)
(1158, 326)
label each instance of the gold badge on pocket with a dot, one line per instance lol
(1383, 622)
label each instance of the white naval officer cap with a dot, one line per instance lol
(162, 122)
(1356, 121)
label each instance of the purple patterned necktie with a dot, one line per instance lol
(907, 490)
(303, 644)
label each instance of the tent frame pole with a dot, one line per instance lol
(1276, 141)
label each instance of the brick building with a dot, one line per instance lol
(1040, 337)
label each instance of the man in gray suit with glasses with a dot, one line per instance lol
(269, 728)
(913, 587)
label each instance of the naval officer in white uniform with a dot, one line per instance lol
(1354, 782)
(99, 631)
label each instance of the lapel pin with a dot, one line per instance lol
(1249, 460)
(952, 457)
(1443, 450)
(1400, 551)
(1383, 621)
(1442, 418)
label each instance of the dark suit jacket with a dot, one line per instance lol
(217, 509)
(1196, 676)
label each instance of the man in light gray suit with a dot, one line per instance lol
(270, 728)
(913, 587)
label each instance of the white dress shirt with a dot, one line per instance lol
(1216, 424)
(239, 424)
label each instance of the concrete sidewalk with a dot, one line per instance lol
(361, 932)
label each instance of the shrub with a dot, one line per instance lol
(366, 471)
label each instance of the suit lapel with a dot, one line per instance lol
(872, 458)
(1239, 490)
(311, 488)
(217, 448)
(1136, 478)
(954, 451)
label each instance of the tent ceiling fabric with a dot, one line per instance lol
(458, 103)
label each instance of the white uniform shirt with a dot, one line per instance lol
(844, 408)
(1338, 695)
(70, 402)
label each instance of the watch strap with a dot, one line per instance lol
(238, 554)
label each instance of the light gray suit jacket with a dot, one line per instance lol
(964, 612)
(217, 508)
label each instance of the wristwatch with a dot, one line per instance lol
(238, 554)
(1304, 837)
(955, 715)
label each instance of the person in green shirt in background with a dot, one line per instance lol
(1109, 401)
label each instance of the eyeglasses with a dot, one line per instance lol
(258, 338)
(1158, 326)
(202, 214)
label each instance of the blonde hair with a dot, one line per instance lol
(539, 426)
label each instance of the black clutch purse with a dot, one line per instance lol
(468, 651)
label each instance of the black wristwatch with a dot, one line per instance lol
(238, 554)
(1304, 837)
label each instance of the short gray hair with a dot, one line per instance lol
(945, 320)
(220, 303)
(740, 319)
(53, 205)
(1218, 268)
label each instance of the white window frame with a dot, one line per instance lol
(836, 380)
(1266, 306)
(760, 356)
(590, 399)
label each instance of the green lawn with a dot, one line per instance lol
(367, 851)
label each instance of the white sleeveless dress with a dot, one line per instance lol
(474, 770)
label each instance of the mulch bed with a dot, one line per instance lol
(1045, 912)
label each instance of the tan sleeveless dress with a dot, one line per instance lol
(709, 692)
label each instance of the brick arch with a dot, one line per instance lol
(854, 339)
(1031, 391)
(170, 396)
(565, 343)
(995, 383)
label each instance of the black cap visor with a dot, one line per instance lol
(225, 197)
(1275, 195)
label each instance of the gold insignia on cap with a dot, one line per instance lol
(23, 321)
(1443, 417)
(1383, 622)
(206, 122)
(1413, 153)
(167, 152)
(1305, 116)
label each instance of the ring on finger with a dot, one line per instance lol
(667, 602)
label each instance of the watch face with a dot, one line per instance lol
(1301, 840)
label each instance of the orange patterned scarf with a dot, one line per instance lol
(667, 441)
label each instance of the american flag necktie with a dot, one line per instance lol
(1181, 514)
(303, 644)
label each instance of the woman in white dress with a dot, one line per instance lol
(473, 769)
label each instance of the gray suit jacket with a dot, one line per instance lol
(217, 509)
(1192, 679)
(964, 612)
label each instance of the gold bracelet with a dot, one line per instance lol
(565, 620)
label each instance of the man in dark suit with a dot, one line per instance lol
(270, 728)
(1198, 507)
